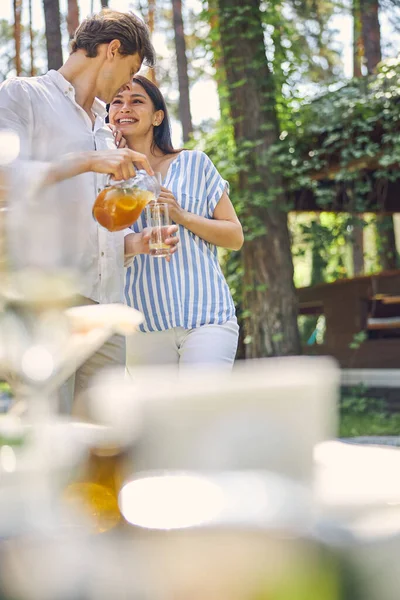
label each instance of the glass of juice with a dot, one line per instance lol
(157, 219)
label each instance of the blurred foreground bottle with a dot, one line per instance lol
(39, 272)
(4, 185)
(96, 486)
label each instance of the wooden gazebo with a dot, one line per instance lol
(369, 304)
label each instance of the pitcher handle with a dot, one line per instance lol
(108, 181)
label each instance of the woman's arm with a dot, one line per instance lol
(138, 243)
(224, 229)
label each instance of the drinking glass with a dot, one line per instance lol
(157, 219)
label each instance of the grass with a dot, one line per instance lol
(375, 424)
(361, 415)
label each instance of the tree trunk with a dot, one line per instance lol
(358, 47)
(17, 36)
(218, 62)
(270, 299)
(151, 11)
(358, 56)
(371, 33)
(183, 78)
(53, 33)
(72, 17)
(357, 242)
(386, 241)
(32, 71)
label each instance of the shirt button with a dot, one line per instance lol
(102, 254)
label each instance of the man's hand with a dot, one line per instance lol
(138, 243)
(118, 163)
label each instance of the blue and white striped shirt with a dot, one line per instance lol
(191, 290)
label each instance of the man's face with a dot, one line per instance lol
(116, 73)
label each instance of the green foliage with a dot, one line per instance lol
(300, 49)
(356, 402)
(5, 396)
(344, 129)
(358, 339)
(369, 424)
(326, 238)
(5, 388)
(361, 414)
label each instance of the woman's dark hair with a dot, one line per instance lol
(162, 133)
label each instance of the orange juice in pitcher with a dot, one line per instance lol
(120, 203)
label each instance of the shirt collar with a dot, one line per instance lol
(98, 107)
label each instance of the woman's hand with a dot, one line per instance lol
(138, 243)
(119, 139)
(176, 212)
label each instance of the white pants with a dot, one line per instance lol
(208, 345)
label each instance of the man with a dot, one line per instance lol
(60, 123)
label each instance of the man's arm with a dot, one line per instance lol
(17, 117)
(16, 114)
(118, 163)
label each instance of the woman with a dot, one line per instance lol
(188, 309)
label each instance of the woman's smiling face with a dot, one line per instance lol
(132, 111)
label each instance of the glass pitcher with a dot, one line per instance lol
(120, 203)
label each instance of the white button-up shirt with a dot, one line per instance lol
(44, 113)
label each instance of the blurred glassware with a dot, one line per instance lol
(43, 247)
(8, 140)
(354, 480)
(37, 461)
(357, 486)
(40, 268)
(167, 500)
(266, 414)
(93, 493)
(226, 536)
